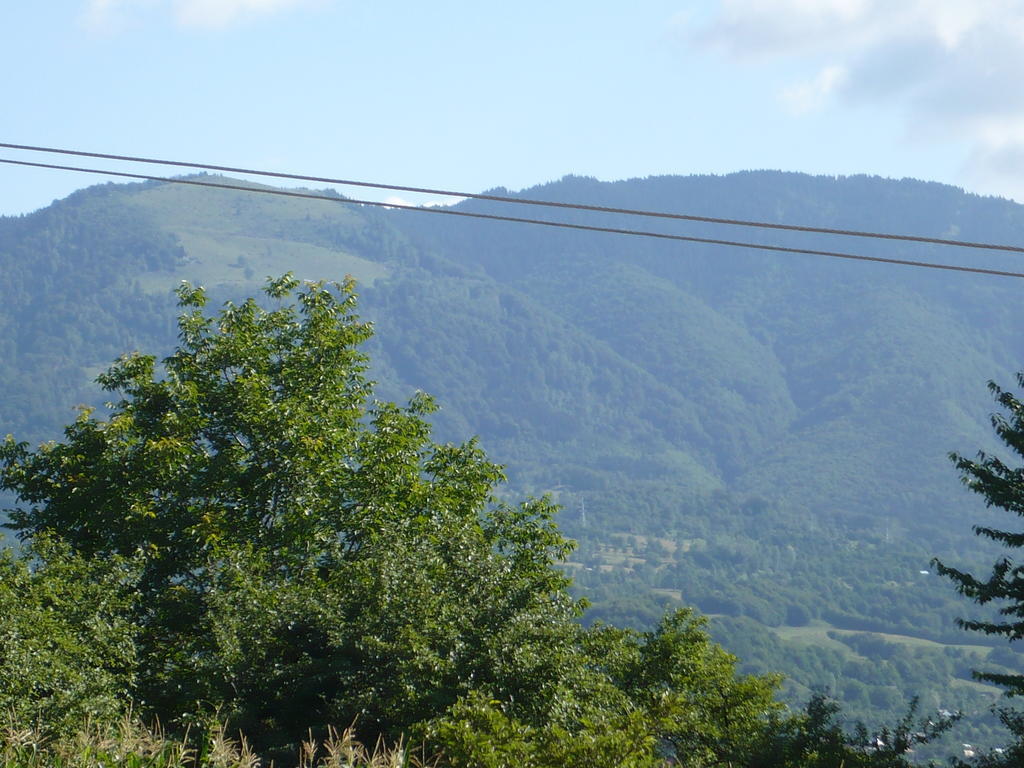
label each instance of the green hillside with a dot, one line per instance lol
(762, 436)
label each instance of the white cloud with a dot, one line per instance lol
(953, 67)
(109, 14)
(812, 94)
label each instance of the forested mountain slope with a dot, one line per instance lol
(794, 378)
(808, 376)
(763, 435)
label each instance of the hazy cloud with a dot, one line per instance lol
(998, 169)
(812, 94)
(111, 15)
(953, 66)
(188, 13)
(218, 13)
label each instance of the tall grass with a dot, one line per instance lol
(131, 745)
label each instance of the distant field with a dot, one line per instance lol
(237, 260)
(817, 632)
(237, 241)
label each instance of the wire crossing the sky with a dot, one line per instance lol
(523, 200)
(519, 220)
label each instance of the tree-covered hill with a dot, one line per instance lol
(833, 386)
(762, 435)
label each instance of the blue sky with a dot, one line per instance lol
(471, 95)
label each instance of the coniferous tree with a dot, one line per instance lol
(1002, 486)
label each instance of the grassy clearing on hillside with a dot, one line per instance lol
(181, 206)
(817, 633)
(218, 258)
(236, 239)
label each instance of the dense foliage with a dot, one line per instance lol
(304, 556)
(67, 652)
(749, 435)
(249, 536)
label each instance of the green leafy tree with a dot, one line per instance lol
(669, 693)
(67, 654)
(816, 738)
(250, 535)
(305, 553)
(308, 556)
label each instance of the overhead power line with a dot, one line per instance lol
(524, 201)
(516, 219)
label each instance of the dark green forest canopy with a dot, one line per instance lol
(750, 434)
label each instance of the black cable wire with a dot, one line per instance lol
(519, 220)
(527, 201)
